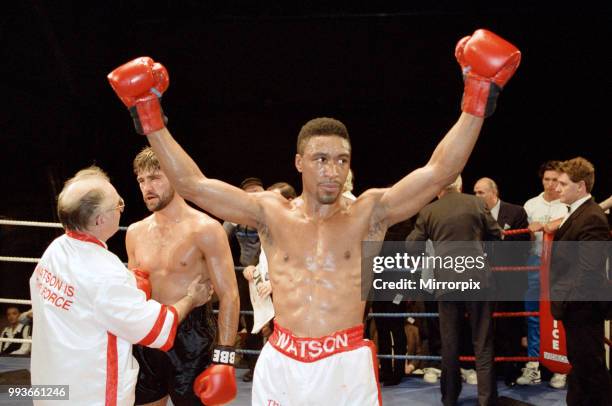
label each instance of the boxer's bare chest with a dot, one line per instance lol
(328, 248)
(167, 249)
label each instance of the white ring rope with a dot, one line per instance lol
(16, 301)
(31, 260)
(19, 259)
(37, 224)
(26, 259)
(16, 340)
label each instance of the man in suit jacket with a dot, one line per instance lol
(391, 333)
(508, 331)
(509, 216)
(460, 219)
(578, 281)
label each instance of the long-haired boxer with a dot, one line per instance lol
(172, 246)
(88, 309)
(317, 355)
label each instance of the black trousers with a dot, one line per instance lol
(452, 317)
(589, 382)
(387, 327)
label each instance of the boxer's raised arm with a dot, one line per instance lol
(219, 198)
(487, 63)
(410, 194)
(140, 84)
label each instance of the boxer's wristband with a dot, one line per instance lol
(223, 354)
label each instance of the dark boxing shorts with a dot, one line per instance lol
(173, 372)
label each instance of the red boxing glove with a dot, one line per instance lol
(140, 84)
(488, 62)
(217, 384)
(142, 281)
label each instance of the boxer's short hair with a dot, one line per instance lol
(146, 161)
(579, 169)
(321, 126)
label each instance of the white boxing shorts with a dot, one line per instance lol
(339, 369)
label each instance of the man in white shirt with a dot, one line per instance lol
(88, 310)
(541, 210)
(15, 329)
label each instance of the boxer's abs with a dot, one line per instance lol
(170, 286)
(316, 304)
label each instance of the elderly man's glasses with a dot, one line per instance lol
(120, 206)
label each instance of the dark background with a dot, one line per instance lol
(246, 75)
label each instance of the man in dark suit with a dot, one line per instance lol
(509, 332)
(457, 224)
(391, 333)
(508, 216)
(578, 285)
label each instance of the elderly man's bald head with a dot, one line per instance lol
(489, 184)
(81, 198)
(486, 189)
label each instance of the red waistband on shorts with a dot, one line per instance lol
(308, 349)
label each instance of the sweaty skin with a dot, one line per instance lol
(178, 243)
(313, 243)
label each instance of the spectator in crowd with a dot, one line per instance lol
(391, 330)
(15, 329)
(541, 211)
(510, 286)
(451, 221)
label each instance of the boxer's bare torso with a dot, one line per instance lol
(169, 251)
(176, 243)
(313, 243)
(315, 263)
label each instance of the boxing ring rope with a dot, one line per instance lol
(250, 312)
(8, 222)
(16, 301)
(19, 259)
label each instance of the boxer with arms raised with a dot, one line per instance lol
(313, 243)
(169, 248)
